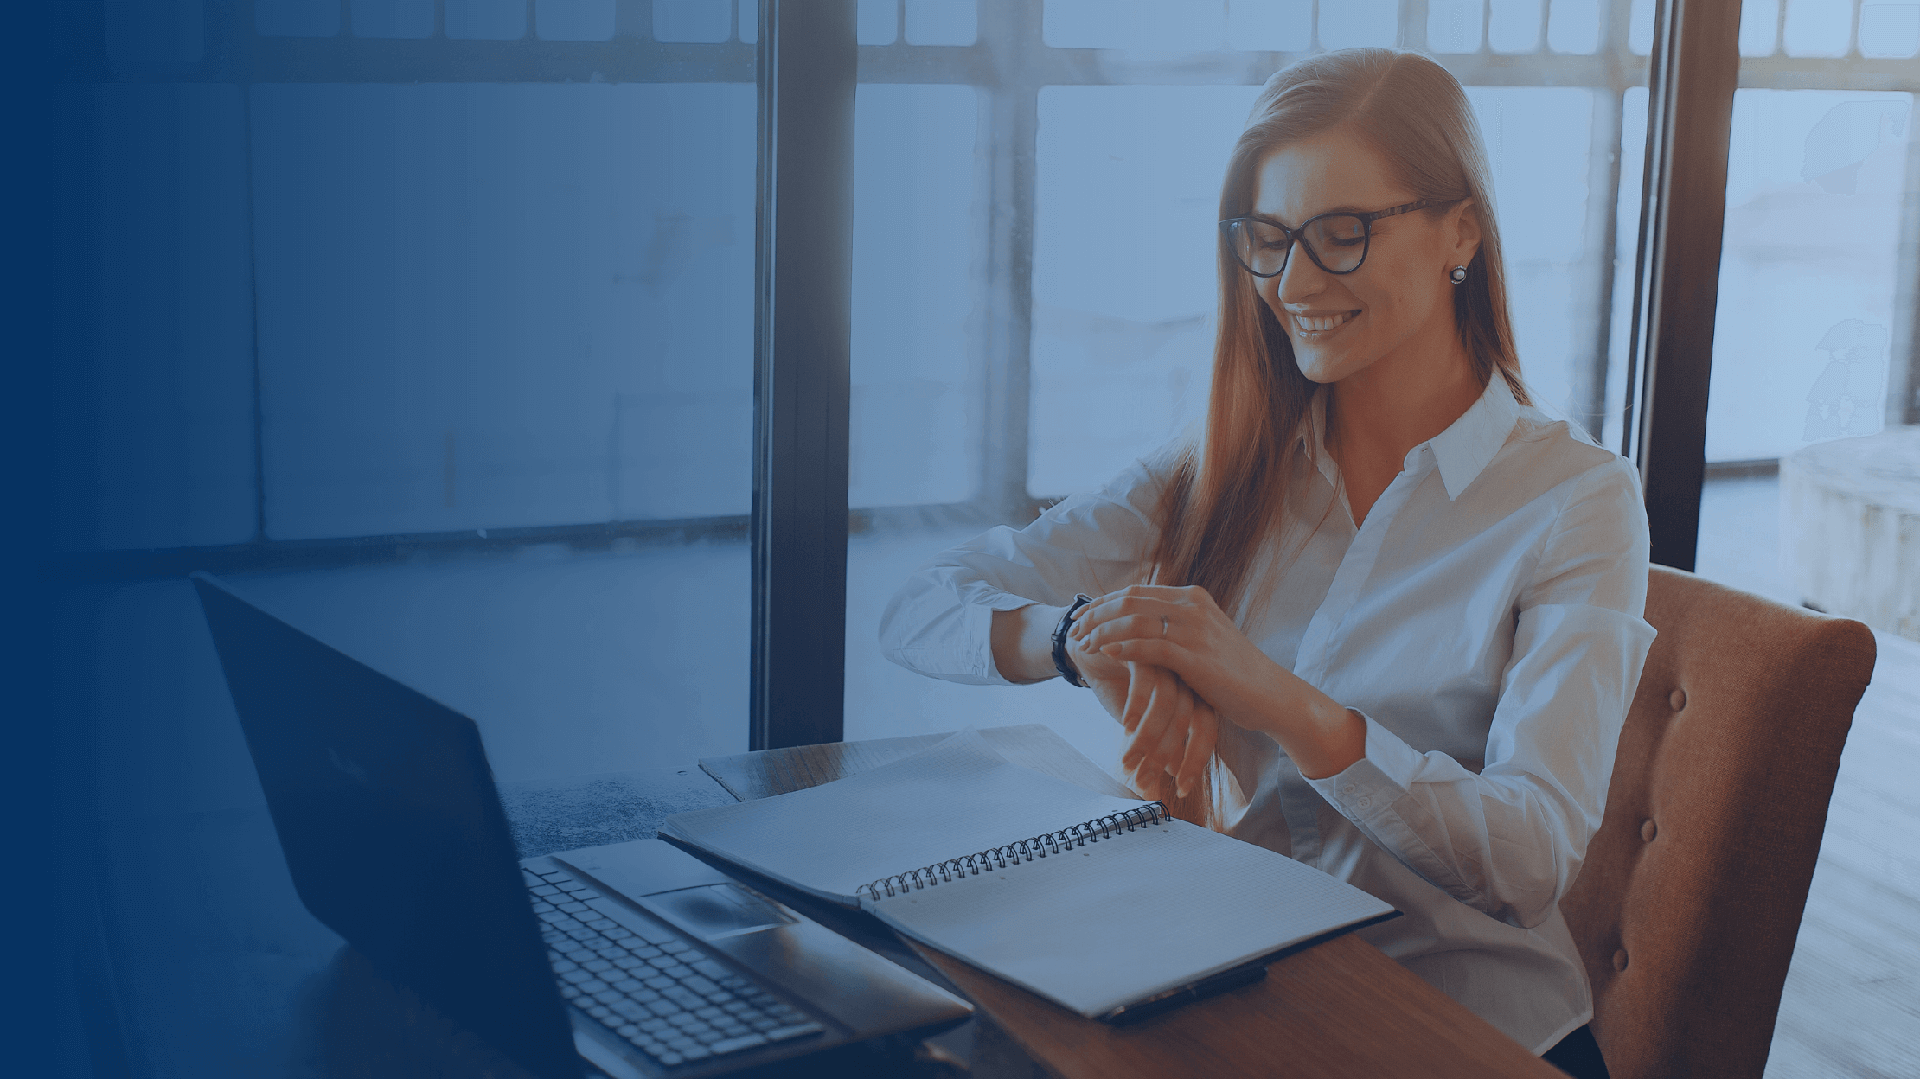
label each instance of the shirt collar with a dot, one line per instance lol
(1315, 437)
(1466, 447)
(1462, 451)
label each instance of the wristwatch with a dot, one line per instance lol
(1080, 599)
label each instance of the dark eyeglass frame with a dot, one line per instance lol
(1299, 234)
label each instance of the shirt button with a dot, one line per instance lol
(1348, 789)
(1366, 803)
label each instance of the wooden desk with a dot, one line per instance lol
(1338, 1009)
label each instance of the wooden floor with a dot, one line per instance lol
(1852, 1001)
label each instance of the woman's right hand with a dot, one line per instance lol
(1173, 736)
(1172, 730)
(1109, 678)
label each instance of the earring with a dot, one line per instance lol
(1458, 275)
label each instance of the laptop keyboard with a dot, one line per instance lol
(655, 989)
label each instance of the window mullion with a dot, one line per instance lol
(1696, 65)
(1603, 221)
(803, 282)
(1013, 120)
(1903, 379)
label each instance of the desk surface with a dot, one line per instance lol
(1338, 1009)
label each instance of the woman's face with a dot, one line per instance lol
(1397, 308)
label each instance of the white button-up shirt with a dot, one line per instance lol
(1489, 609)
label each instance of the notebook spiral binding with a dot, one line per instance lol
(1025, 850)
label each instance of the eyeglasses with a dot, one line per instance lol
(1337, 242)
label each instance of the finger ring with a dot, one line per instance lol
(1163, 626)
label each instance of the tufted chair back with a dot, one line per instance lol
(1690, 897)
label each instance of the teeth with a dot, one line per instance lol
(1322, 322)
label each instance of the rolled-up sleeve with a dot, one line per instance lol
(939, 622)
(1510, 840)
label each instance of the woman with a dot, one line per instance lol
(1385, 617)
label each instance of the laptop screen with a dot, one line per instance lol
(392, 828)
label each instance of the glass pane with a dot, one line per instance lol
(876, 22)
(1818, 27)
(573, 20)
(1454, 25)
(1353, 24)
(1278, 25)
(1538, 142)
(392, 18)
(486, 20)
(296, 18)
(1812, 343)
(1123, 317)
(1640, 26)
(941, 22)
(166, 442)
(918, 394)
(1148, 25)
(1808, 269)
(692, 20)
(1573, 26)
(920, 441)
(1759, 27)
(1889, 31)
(493, 306)
(155, 32)
(1514, 25)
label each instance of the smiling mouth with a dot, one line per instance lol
(1319, 324)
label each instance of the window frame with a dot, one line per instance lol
(1696, 65)
(801, 519)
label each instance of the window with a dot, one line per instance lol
(429, 324)
(1099, 141)
(479, 282)
(1815, 329)
(449, 308)
(1126, 113)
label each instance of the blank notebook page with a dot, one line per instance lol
(955, 799)
(1124, 918)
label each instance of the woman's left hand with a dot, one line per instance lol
(1181, 629)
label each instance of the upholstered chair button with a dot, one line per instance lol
(1678, 699)
(1620, 959)
(1649, 830)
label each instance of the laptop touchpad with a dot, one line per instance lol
(716, 910)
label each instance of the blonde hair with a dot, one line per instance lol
(1222, 501)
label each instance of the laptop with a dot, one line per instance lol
(629, 960)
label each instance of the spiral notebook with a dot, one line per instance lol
(1104, 905)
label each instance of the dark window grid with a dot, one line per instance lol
(1010, 63)
(633, 23)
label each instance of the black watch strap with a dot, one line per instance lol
(1060, 641)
